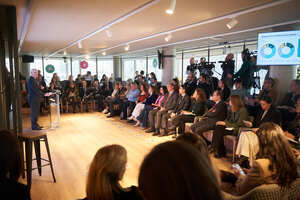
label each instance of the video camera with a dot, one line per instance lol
(203, 67)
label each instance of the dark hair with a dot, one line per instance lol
(201, 94)
(142, 72)
(271, 80)
(153, 74)
(267, 99)
(183, 87)
(176, 170)
(10, 158)
(274, 146)
(165, 89)
(218, 92)
(203, 76)
(197, 141)
(237, 80)
(176, 80)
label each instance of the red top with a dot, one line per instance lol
(142, 97)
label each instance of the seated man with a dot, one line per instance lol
(155, 116)
(182, 105)
(97, 95)
(130, 103)
(190, 84)
(239, 90)
(217, 113)
(85, 95)
(293, 127)
(268, 89)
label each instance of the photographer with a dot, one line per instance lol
(228, 70)
(246, 71)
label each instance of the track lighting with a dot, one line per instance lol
(108, 33)
(232, 23)
(87, 57)
(168, 37)
(65, 53)
(171, 9)
(79, 45)
(104, 53)
(127, 47)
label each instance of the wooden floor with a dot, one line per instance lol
(74, 144)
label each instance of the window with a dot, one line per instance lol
(105, 67)
(61, 68)
(128, 69)
(140, 65)
(91, 67)
(37, 64)
(75, 68)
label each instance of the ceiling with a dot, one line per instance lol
(54, 24)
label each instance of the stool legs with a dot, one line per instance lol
(37, 148)
(49, 157)
(28, 147)
(22, 158)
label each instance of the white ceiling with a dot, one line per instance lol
(54, 24)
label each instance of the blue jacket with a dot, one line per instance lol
(33, 90)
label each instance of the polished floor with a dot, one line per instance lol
(74, 144)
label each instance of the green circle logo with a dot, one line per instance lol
(50, 68)
(155, 62)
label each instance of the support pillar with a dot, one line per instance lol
(283, 76)
(117, 64)
(169, 60)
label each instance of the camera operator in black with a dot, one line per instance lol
(246, 71)
(228, 70)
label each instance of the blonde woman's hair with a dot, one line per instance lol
(105, 172)
(236, 102)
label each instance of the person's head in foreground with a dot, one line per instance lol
(177, 171)
(105, 173)
(274, 146)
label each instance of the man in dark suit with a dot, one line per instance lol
(183, 104)
(190, 84)
(85, 95)
(34, 99)
(217, 113)
(267, 113)
(169, 105)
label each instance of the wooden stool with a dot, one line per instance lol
(30, 138)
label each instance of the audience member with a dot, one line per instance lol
(85, 95)
(235, 119)
(130, 103)
(11, 168)
(225, 91)
(175, 82)
(72, 96)
(202, 83)
(197, 108)
(293, 127)
(96, 90)
(268, 89)
(217, 113)
(183, 104)
(143, 117)
(174, 171)
(190, 84)
(153, 79)
(169, 104)
(105, 173)
(239, 90)
(275, 161)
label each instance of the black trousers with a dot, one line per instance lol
(218, 139)
(73, 101)
(180, 120)
(124, 105)
(203, 126)
(111, 102)
(34, 113)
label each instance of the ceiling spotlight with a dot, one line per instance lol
(127, 47)
(108, 33)
(79, 45)
(65, 53)
(171, 9)
(103, 53)
(232, 23)
(168, 37)
(87, 57)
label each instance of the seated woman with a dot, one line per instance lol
(73, 96)
(176, 171)
(105, 173)
(197, 108)
(114, 95)
(139, 102)
(11, 168)
(143, 117)
(275, 161)
(247, 146)
(224, 89)
(293, 128)
(140, 106)
(235, 119)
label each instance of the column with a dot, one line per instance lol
(283, 76)
(117, 64)
(169, 60)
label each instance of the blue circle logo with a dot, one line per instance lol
(286, 54)
(268, 47)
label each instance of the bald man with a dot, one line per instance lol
(34, 99)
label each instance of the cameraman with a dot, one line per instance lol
(228, 70)
(246, 71)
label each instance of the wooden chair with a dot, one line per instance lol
(30, 138)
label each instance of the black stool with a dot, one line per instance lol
(29, 138)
